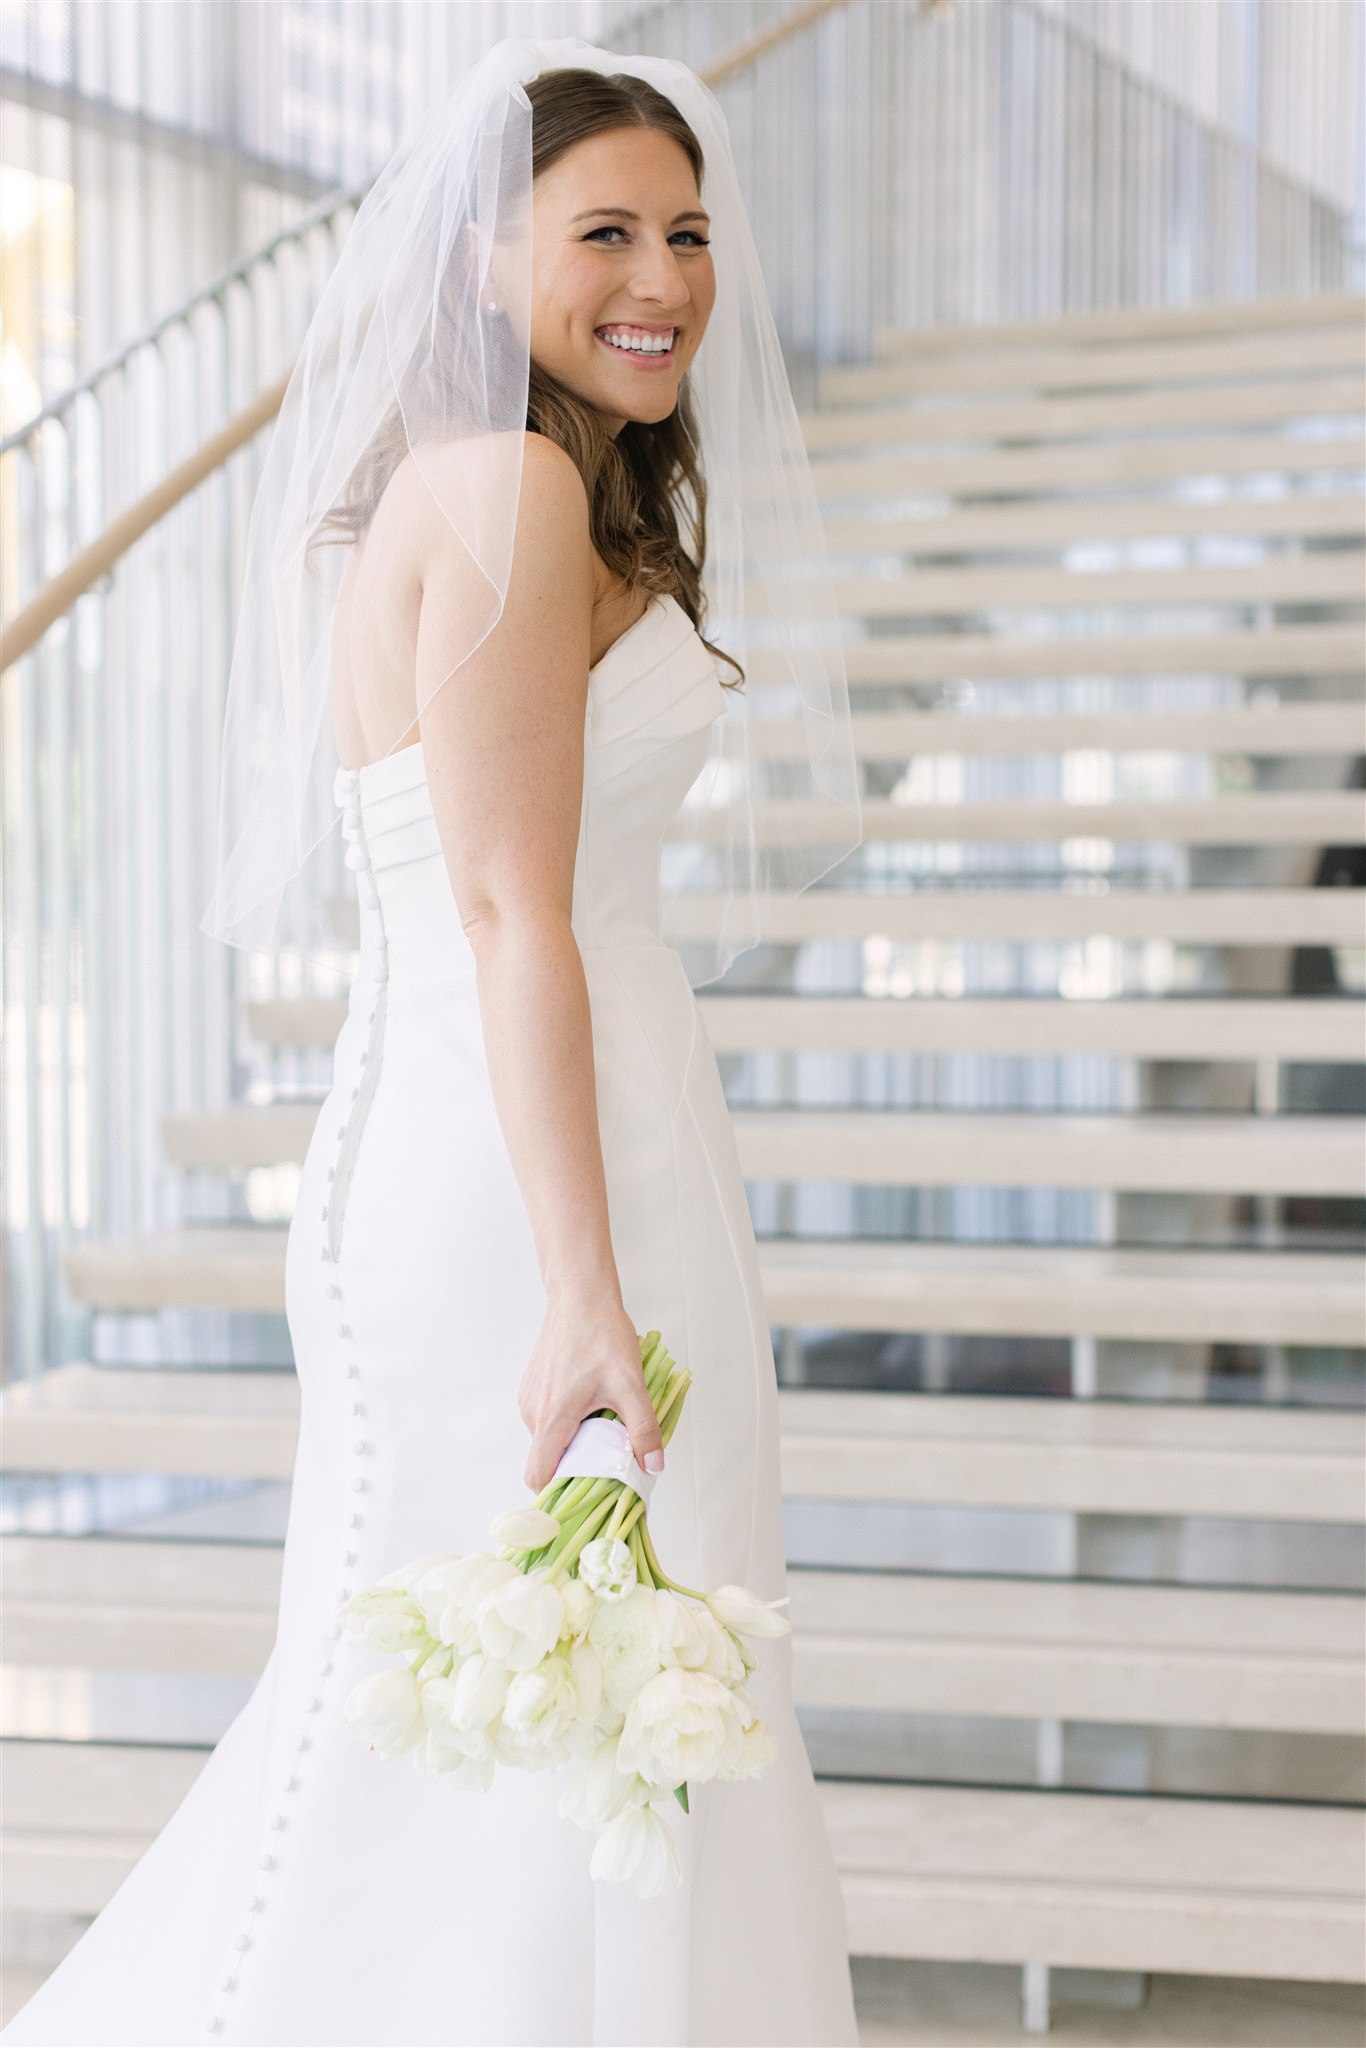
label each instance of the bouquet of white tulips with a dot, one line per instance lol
(571, 1643)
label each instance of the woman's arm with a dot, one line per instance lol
(503, 745)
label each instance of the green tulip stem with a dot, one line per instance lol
(672, 1406)
(635, 1508)
(562, 1496)
(564, 1553)
(643, 1572)
(661, 1577)
(426, 1656)
(615, 1526)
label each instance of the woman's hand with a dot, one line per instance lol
(586, 1357)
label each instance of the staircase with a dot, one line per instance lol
(1058, 1171)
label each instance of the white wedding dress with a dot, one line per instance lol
(304, 1891)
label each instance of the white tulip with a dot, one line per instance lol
(586, 1666)
(682, 1725)
(735, 1607)
(611, 1719)
(524, 1528)
(745, 1707)
(687, 1633)
(638, 1849)
(579, 1609)
(451, 1591)
(597, 1791)
(758, 1746)
(464, 1757)
(607, 1566)
(727, 1658)
(479, 1688)
(527, 1753)
(758, 1750)
(624, 1634)
(520, 1620)
(386, 1619)
(405, 1579)
(385, 1712)
(542, 1705)
(448, 1744)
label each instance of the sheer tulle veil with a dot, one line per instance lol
(403, 333)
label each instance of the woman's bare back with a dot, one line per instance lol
(375, 622)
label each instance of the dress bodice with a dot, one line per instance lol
(651, 702)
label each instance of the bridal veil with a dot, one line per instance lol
(410, 338)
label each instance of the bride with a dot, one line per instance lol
(542, 374)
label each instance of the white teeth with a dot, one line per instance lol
(640, 344)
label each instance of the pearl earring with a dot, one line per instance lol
(490, 305)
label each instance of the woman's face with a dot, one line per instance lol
(622, 284)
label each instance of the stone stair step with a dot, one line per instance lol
(1319, 817)
(864, 1640)
(1075, 465)
(1121, 1882)
(1081, 1456)
(1147, 1028)
(889, 408)
(1273, 729)
(1154, 1294)
(1186, 1151)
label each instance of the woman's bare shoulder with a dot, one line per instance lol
(429, 495)
(452, 469)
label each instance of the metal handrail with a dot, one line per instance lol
(766, 39)
(317, 215)
(56, 598)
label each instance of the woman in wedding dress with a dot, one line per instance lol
(525, 1157)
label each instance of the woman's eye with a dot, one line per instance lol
(697, 241)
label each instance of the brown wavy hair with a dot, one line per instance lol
(647, 494)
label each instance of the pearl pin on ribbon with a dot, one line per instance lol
(600, 1448)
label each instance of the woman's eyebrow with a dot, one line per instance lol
(625, 213)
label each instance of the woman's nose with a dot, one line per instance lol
(660, 279)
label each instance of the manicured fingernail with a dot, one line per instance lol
(654, 1461)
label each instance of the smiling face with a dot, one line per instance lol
(622, 283)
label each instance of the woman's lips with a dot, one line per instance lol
(660, 359)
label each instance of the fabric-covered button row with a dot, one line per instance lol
(361, 1446)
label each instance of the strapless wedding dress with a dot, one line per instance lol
(305, 1892)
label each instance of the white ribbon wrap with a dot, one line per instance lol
(600, 1448)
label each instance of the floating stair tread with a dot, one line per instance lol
(1182, 1028)
(1301, 314)
(1084, 1457)
(993, 1875)
(1320, 817)
(1226, 1152)
(1101, 1457)
(870, 1641)
(982, 1289)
